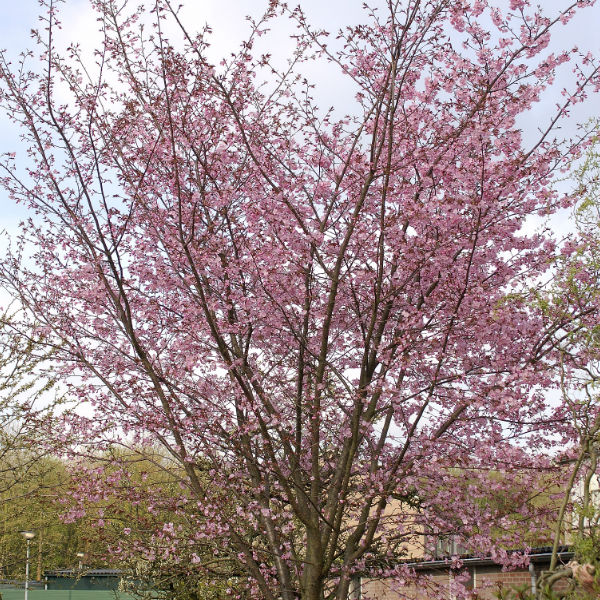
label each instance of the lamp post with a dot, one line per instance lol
(80, 556)
(28, 535)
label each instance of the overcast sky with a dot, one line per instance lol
(227, 20)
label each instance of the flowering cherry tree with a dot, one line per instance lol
(326, 317)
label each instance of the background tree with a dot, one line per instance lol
(314, 315)
(31, 478)
(146, 524)
(577, 285)
(23, 400)
(32, 504)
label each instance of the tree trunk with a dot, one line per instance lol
(38, 574)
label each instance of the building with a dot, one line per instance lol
(481, 575)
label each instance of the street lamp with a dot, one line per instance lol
(80, 556)
(28, 535)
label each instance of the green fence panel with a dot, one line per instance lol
(64, 595)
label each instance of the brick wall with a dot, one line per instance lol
(490, 581)
(386, 590)
(484, 580)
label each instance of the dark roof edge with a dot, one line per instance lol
(536, 556)
(83, 573)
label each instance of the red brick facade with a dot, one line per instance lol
(485, 582)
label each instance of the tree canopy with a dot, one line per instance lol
(314, 315)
